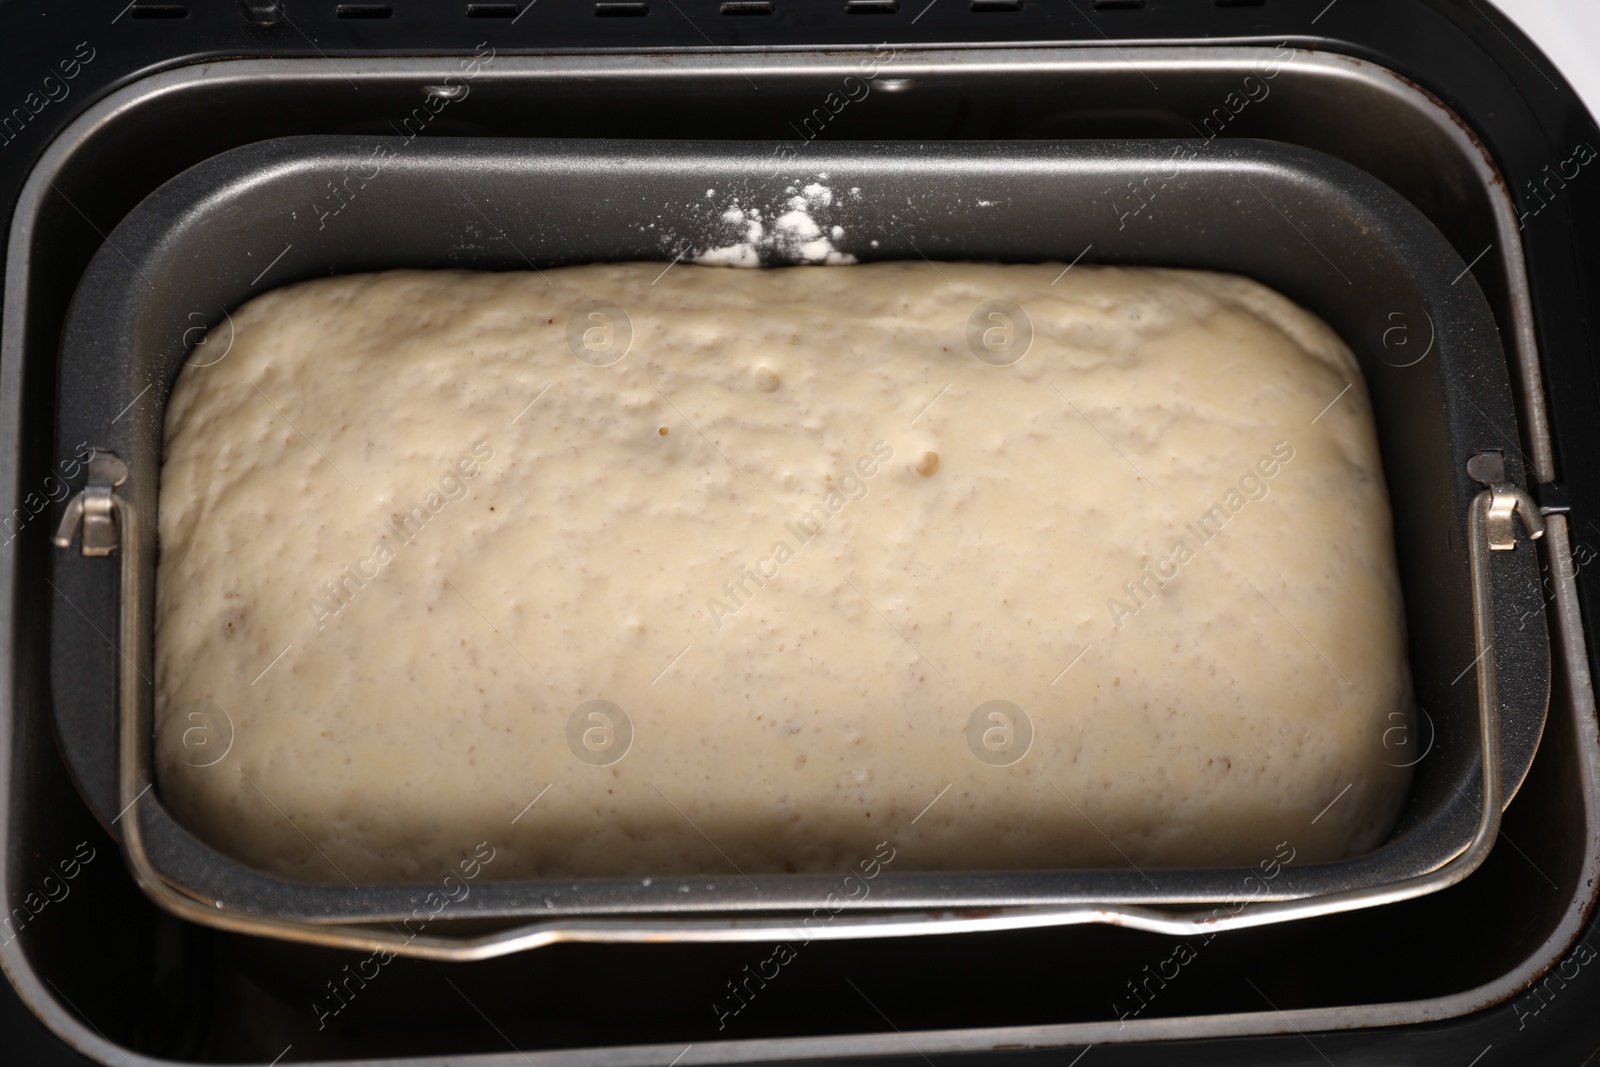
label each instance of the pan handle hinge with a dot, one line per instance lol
(1505, 501)
(93, 508)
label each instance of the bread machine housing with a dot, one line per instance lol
(1344, 107)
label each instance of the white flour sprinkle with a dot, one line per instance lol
(792, 233)
(820, 193)
(799, 223)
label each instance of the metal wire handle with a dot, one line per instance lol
(98, 508)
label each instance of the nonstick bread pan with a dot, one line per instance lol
(1321, 232)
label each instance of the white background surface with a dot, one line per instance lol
(1568, 32)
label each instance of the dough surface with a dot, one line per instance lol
(801, 535)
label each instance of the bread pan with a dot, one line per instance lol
(1319, 231)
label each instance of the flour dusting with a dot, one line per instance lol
(789, 231)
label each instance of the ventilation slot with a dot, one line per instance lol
(158, 11)
(1118, 5)
(491, 11)
(871, 7)
(363, 11)
(996, 5)
(624, 11)
(1240, 3)
(747, 7)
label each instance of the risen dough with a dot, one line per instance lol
(1142, 534)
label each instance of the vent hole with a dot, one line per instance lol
(491, 11)
(612, 11)
(747, 7)
(1118, 5)
(158, 11)
(363, 11)
(871, 7)
(996, 5)
(1240, 3)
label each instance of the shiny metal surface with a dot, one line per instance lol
(93, 509)
(1505, 500)
(1504, 503)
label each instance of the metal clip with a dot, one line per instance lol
(93, 509)
(1505, 500)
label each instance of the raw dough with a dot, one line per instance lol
(802, 536)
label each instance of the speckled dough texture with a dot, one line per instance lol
(798, 533)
